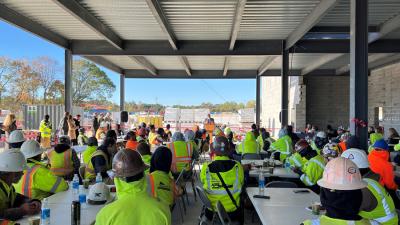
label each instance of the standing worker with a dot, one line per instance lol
(377, 204)
(45, 132)
(9, 125)
(181, 153)
(209, 126)
(223, 180)
(341, 194)
(95, 124)
(133, 205)
(63, 160)
(14, 206)
(38, 182)
(63, 125)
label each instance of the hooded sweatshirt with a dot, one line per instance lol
(379, 164)
(249, 145)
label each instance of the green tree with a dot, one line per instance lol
(8, 71)
(89, 82)
(251, 104)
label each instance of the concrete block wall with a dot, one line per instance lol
(327, 101)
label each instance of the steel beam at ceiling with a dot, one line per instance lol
(143, 62)
(186, 65)
(237, 19)
(266, 64)
(374, 61)
(387, 27)
(313, 18)
(103, 62)
(83, 15)
(23, 22)
(320, 62)
(226, 66)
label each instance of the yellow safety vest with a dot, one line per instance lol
(39, 183)
(61, 164)
(282, 145)
(313, 170)
(324, 220)
(385, 211)
(45, 131)
(162, 187)
(181, 155)
(90, 173)
(7, 196)
(214, 189)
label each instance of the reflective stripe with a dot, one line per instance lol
(152, 186)
(287, 148)
(296, 162)
(55, 186)
(235, 190)
(322, 166)
(389, 215)
(28, 181)
(66, 168)
(173, 164)
(306, 180)
(315, 222)
(243, 147)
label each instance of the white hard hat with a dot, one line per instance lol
(16, 136)
(358, 156)
(342, 174)
(321, 134)
(12, 160)
(31, 148)
(98, 194)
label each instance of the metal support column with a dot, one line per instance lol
(285, 85)
(122, 92)
(258, 100)
(359, 69)
(68, 81)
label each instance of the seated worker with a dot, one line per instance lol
(379, 163)
(100, 160)
(82, 138)
(182, 153)
(377, 204)
(16, 139)
(341, 194)
(189, 138)
(92, 147)
(320, 140)
(152, 135)
(132, 194)
(249, 145)
(161, 182)
(292, 135)
(312, 170)
(144, 150)
(221, 177)
(331, 151)
(296, 160)
(38, 182)
(63, 160)
(376, 136)
(283, 146)
(342, 141)
(131, 140)
(14, 206)
(142, 135)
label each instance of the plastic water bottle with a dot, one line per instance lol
(99, 178)
(261, 183)
(45, 213)
(75, 185)
(82, 197)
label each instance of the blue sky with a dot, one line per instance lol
(16, 43)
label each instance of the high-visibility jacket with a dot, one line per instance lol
(61, 164)
(181, 155)
(249, 145)
(282, 145)
(7, 196)
(324, 220)
(6, 222)
(82, 139)
(90, 172)
(260, 142)
(315, 147)
(375, 137)
(313, 170)
(379, 164)
(87, 154)
(146, 159)
(45, 129)
(343, 146)
(296, 160)
(385, 212)
(215, 191)
(162, 187)
(131, 144)
(38, 182)
(134, 206)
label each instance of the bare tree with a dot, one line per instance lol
(8, 71)
(46, 68)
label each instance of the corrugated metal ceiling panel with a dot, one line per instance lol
(273, 19)
(123, 61)
(206, 62)
(298, 61)
(245, 62)
(165, 62)
(129, 19)
(379, 12)
(200, 19)
(51, 16)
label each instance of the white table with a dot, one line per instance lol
(258, 162)
(284, 206)
(60, 210)
(278, 172)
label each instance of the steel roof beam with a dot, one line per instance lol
(337, 29)
(216, 74)
(386, 28)
(143, 62)
(241, 4)
(320, 62)
(226, 66)
(23, 22)
(374, 61)
(266, 64)
(83, 15)
(313, 18)
(186, 65)
(105, 63)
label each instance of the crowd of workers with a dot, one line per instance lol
(356, 186)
